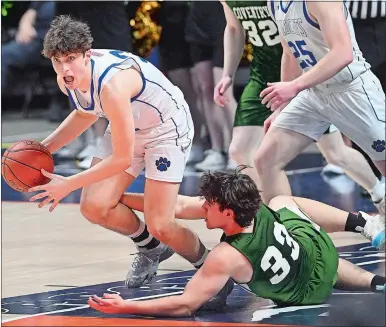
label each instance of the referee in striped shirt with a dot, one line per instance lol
(369, 19)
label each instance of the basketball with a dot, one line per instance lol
(22, 163)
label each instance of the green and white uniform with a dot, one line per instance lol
(294, 261)
(265, 67)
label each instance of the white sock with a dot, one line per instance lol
(377, 192)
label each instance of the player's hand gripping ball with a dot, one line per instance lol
(22, 163)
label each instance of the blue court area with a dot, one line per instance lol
(242, 306)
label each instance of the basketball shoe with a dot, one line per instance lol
(374, 230)
(145, 265)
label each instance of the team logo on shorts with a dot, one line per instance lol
(162, 164)
(379, 145)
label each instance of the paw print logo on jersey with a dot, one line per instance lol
(162, 164)
(379, 145)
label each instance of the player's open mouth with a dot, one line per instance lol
(68, 79)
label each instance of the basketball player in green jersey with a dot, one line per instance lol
(254, 18)
(280, 252)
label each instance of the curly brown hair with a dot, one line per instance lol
(66, 35)
(232, 190)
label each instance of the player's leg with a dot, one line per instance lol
(354, 278)
(159, 203)
(359, 113)
(100, 204)
(248, 129)
(245, 142)
(332, 219)
(278, 148)
(229, 109)
(293, 129)
(203, 73)
(353, 163)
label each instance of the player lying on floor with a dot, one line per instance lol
(280, 251)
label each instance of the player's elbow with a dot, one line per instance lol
(345, 55)
(122, 162)
(348, 58)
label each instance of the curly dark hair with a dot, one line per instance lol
(66, 35)
(232, 190)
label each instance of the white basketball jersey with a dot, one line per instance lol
(158, 101)
(306, 41)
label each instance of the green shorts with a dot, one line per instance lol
(250, 111)
(321, 252)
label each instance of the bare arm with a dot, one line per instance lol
(187, 207)
(332, 22)
(234, 40)
(290, 68)
(116, 105)
(206, 283)
(74, 125)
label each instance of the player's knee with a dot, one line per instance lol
(160, 231)
(237, 154)
(94, 210)
(280, 201)
(335, 158)
(206, 90)
(262, 161)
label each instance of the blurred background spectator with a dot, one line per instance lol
(204, 29)
(25, 48)
(175, 61)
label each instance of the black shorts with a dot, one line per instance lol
(175, 57)
(173, 48)
(213, 53)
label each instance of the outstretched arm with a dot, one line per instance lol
(187, 207)
(205, 284)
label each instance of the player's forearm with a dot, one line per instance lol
(172, 306)
(108, 167)
(331, 64)
(28, 19)
(185, 208)
(234, 40)
(290, 69)
(134, 201)
(68, 130)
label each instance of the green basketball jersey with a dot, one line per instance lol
(264, 36)
(283, 258)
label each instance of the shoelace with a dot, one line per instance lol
(137, 259)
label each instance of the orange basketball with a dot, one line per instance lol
(22, 163)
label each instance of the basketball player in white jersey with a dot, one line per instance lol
(333, 84)
(150, 127)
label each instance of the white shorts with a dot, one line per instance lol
(357, 109)
(162, 150)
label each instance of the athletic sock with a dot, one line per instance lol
(143, 239)
(378, 283)
(200, 262)
(355, 223)
(377, 193)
